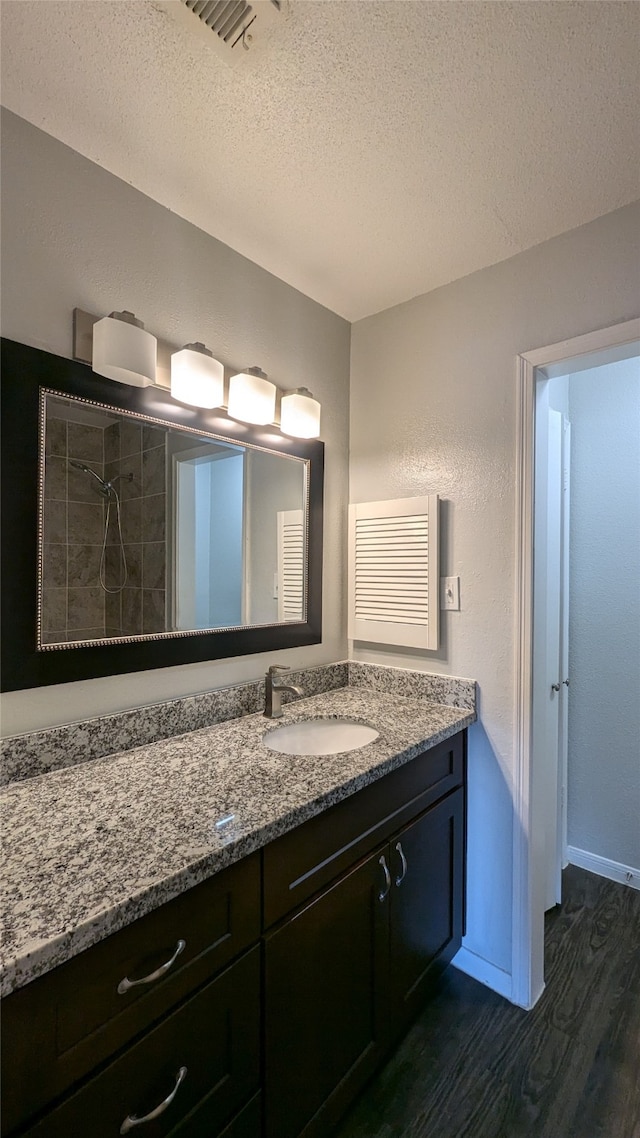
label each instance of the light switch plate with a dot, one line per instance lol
(450, 593)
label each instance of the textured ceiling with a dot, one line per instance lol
(373, 151)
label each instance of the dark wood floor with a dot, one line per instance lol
(474, 1066)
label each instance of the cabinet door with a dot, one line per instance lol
(325, 986)
(426, 903)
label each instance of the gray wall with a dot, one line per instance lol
(74, 235)
(604, 613)
(433, 408)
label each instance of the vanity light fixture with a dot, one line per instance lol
(300, 414)
(197, 378)
(252, 397)
(122, 350)
(118, 347)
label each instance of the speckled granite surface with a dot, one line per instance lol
(24, 756)
(413, 685)
(36, 753)
(90, 848)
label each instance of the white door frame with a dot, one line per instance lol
(528, 831)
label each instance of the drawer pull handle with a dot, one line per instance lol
(387, 879)
(132, 1120)
(125, 984)
(401, 876)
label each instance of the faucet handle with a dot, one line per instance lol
(275, 668)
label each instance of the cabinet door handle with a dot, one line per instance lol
(132, 1120)
(401, 876)
(125, 984)
(387, 879)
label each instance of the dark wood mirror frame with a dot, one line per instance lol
(25, 371)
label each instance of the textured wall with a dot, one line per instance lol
(604, 613)
(433, 408)
(75, 235)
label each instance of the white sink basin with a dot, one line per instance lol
(319, 737)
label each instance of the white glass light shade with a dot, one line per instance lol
(300, 415)
(252, 397)
(124, 351)
(197, 378)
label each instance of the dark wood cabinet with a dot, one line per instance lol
(300, 967)
(325, 972)
(65, 1024)
(207, 1054)
(426, 860)
(347, 971)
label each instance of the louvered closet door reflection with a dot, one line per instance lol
(290, 565)
(393, 572)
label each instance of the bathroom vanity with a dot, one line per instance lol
(225, 941)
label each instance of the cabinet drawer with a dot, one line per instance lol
(215, 1035)
(303, 861)
(63, 1025)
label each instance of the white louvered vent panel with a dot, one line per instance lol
(290, 565)
(229, 19)
(393, 572)
(392, 562)
(235, 29)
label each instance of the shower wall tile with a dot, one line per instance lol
(153, 518)
(126, 474)
(55, 636)
(55, 522)
(154, 471)
(153, 436)
(112, 443)
(133, 554)
(83, 487)
(153, 610)
(154, 565)
(84, 565)
(131, 519)
(115, 574)
(129, 484)
(130, 437)
(131, 612)
(54, 565)
(56, 437)
(85, 608)
(85, 523)
(75, 516)
(85, 443)
(113, 612)
(54, 608)
(55, 479)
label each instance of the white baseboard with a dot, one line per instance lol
(483, 971)
(604, 867)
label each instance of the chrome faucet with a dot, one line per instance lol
(274, 690)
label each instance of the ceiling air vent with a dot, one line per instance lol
(235, 29)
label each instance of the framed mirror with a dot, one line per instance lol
(140, 533)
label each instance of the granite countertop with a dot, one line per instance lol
(90, 848)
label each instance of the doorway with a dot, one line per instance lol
(533, 785)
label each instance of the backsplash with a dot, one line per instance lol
(450, 690)
(39, 752)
